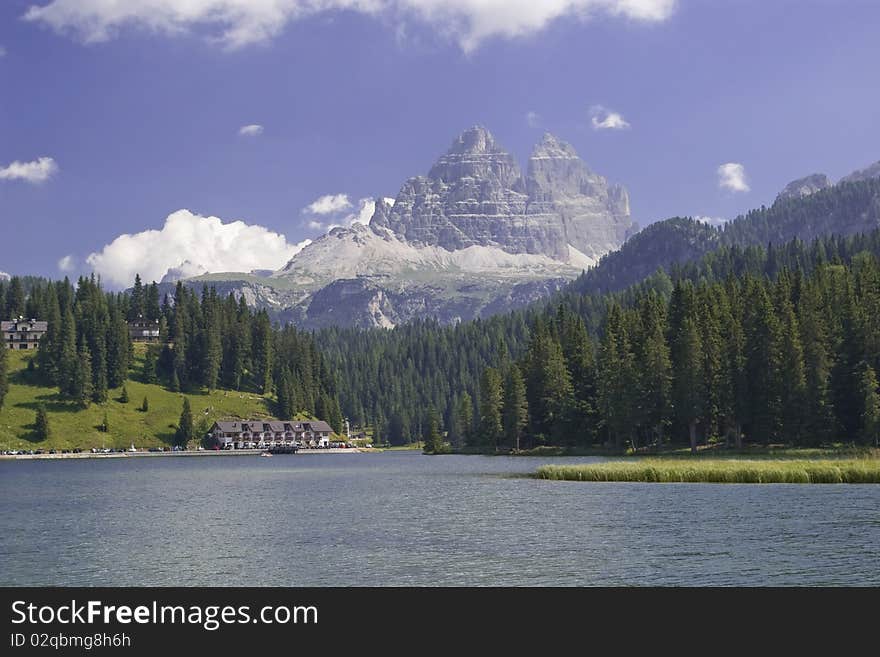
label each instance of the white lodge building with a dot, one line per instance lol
(271, 433)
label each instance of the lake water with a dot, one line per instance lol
(400, 518)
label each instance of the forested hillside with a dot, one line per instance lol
(801, 319)
(206, 343)
(845, 209)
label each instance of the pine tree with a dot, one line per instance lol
(82, 378)
(15, 299)
(515, 414)
(149, 367)
(465, 416)
(42, 431)
(762, 363)
(819, 417)
(4, 374)
(137, 303)
(99, 372)
(49, 353)
(870, 433)
(491, 394)
(145, 405)
(123, 398)
(185, 428)
(105, 424)
(793, 394)
(616, 389)
(688, 380)
(69, 360)
(655, 382)
(433, 438)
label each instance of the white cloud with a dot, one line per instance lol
(712, 221)
(4, 276)
(67, 263)
(732, 176)
(2, 51)
(533, 119)
(238, 23)
(361, 214)
(191, 242)
(252, 130)
(603, 118)
(328, 204)
(37, 171)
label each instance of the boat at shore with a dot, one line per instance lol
(265, 453)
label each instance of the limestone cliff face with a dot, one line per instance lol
(473, 237)
(804, 186)
(476, 194)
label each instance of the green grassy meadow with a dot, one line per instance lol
(72, 426)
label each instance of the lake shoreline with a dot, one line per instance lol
(207, 452)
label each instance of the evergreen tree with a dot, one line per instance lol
(105, 423)
(515, 414)
(491, 394)
(42, 431)
(4, 374)
(148, 372)
(655, 381)
(145, 405)
(69, 360)
(123, 397)
(185, 427)
(15, 299)
(99, 373)
(793, 394)
(616, 390)
(433, 438)
(688, 380)
(465, 417)
(870, 433)
(81, 385)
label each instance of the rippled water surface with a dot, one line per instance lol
(400, 518)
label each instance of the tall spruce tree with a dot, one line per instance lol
(82, 378)
(42, 430)
(491, 395)
(515, 415)
(870, 429)
(4, 374)
(185, 427)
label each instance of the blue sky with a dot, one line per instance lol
(140, 110)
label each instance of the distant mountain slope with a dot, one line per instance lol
(847, 208)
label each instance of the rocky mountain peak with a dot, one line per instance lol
(804, 186)
(551, 146)
(867, 173)
(474, 140)
(476, 154)
(475, 194)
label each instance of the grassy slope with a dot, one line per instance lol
(818, 471)
(75, 427)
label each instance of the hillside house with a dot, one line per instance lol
(22, 333)
(143, 330)
(240, 434)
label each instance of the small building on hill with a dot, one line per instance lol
(144, 330)
(23, 333)
(241, 434)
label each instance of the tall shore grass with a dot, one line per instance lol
(726, 471)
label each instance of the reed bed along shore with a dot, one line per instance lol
(726, 471)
